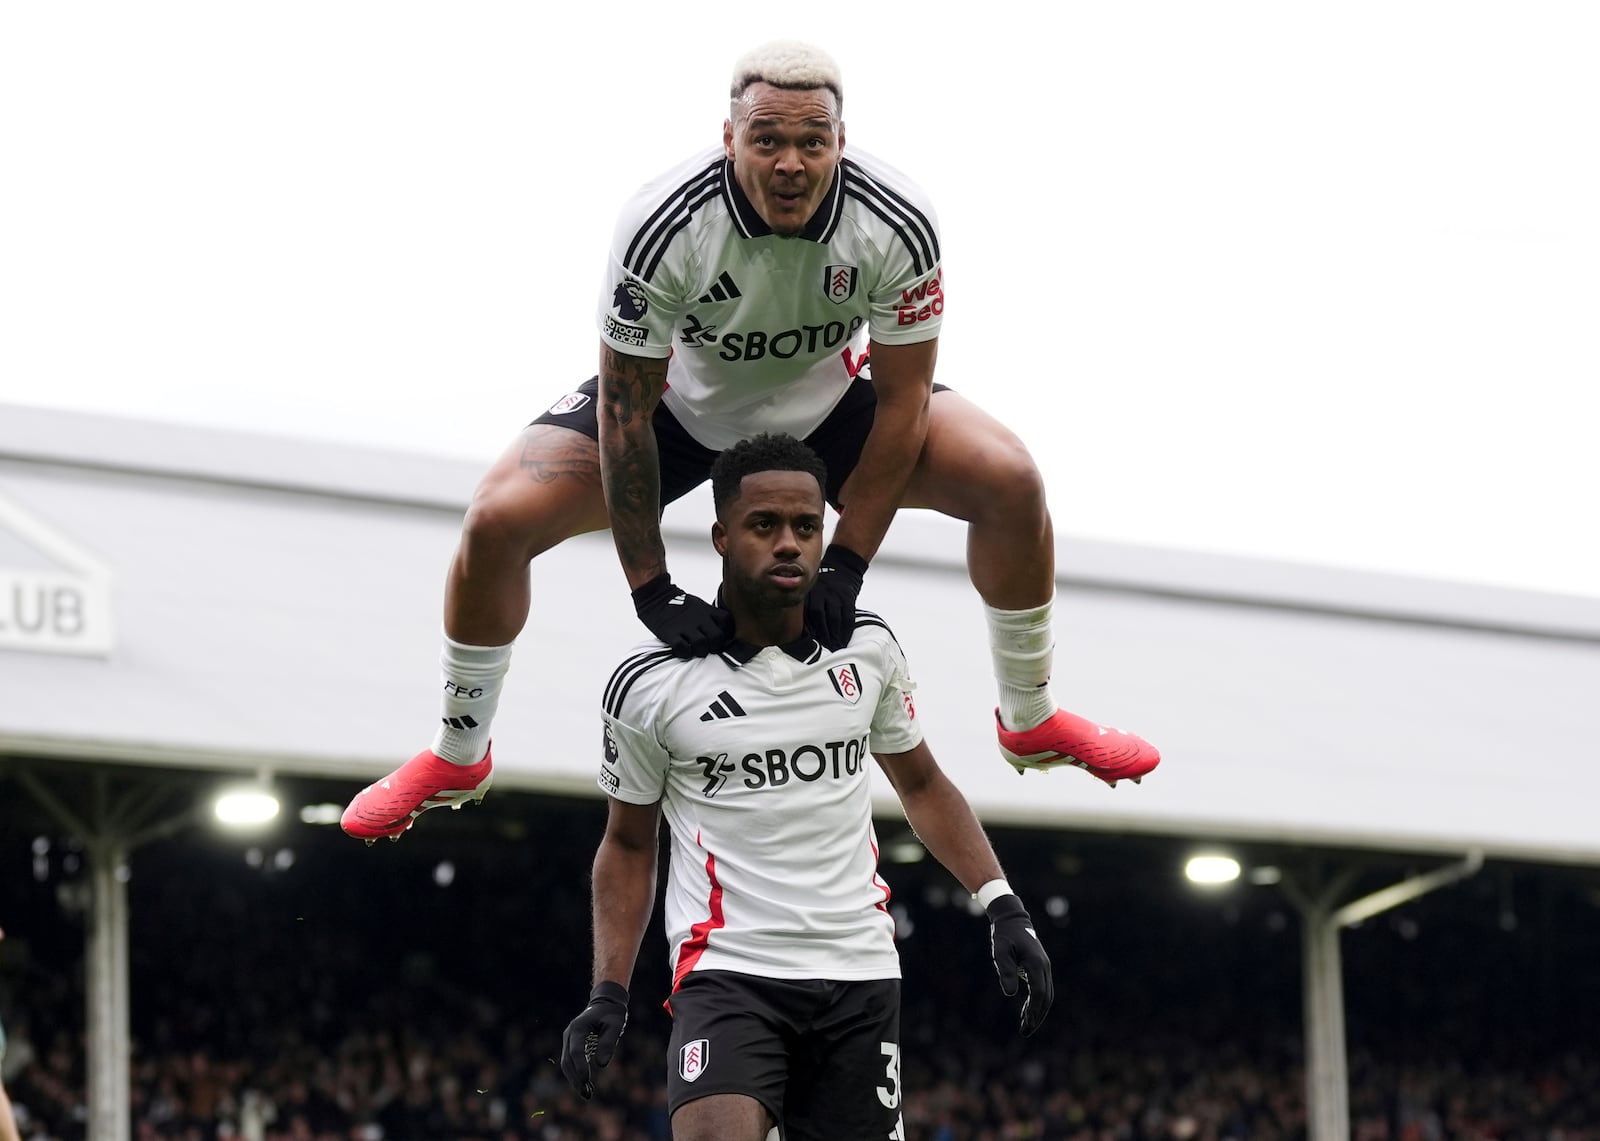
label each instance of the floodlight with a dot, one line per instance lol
(1212, 869)
(321, 813)
(905, 851)
(245, 807)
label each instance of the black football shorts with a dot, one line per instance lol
(686, 463)
(822, 1055)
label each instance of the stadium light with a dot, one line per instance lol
(908, 851)
(246, 806)
(1211, 870)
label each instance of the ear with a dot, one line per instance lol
(719, 538)
(727, 138)
(841, 136)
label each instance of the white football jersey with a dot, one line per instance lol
(760, 758)
(766, 332)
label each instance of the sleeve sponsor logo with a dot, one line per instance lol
(921, 301)
(609, 781)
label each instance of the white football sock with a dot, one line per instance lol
(472, 680)
(1022, 643)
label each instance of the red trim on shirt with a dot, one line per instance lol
(882, 885)
(700, 934)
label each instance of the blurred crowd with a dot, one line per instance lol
(486, 1078)
(390, 995)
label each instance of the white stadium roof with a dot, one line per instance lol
(178, 596)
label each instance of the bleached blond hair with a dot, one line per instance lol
(789, 64)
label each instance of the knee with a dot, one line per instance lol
(977, 469)
(499, 522)
(490, 516)
(513, 517)
(1013, 483)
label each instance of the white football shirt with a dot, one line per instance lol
(760, 758)
(766, 332)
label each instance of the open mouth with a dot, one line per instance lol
(787, 575)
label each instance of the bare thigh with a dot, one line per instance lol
(970, 462)
(544, 489)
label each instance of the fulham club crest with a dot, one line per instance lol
(571, 402)
(839, 283)
(846, 681)
(692, 1059)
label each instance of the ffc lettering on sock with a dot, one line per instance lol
(472, 677)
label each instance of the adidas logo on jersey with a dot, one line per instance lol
(722, 290)
(723, 708)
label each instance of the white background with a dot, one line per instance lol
(1310, 281)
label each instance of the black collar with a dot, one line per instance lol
(804, 649)
(819, 229)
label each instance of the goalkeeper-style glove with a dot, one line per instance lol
(1020, 960)
(690, 626)
(591, 1038)
(831, 605)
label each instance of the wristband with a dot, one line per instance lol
(992, 891)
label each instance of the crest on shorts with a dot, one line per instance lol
(692, 1059)
(846, 681)
(571, 402)
(839, 283)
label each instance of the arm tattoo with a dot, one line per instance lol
(630, 465)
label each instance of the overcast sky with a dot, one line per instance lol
(1311, 281)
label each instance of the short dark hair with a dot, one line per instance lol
(770, 451)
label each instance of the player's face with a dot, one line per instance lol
(770, 539)
(785, 146)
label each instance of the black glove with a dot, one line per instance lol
(592, 1036)
(831, 605)
(689, 626)
(1019, 958)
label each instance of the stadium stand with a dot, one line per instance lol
(309, 989)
